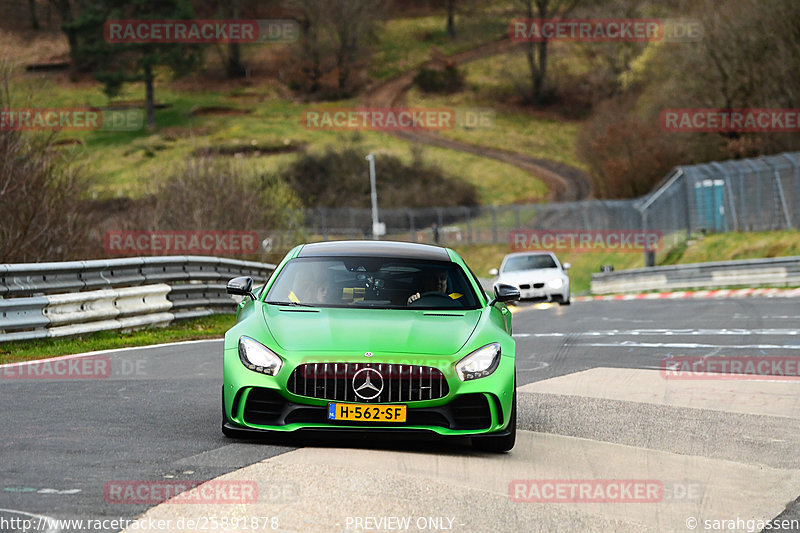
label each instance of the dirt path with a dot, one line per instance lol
(565, 182)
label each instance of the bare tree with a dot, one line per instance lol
(65, 13)
(352, 22)
(334, 38)
(32, 13)
(451, 24)
(748, 57)
(537, 51)
(41, 197)
(312, 47)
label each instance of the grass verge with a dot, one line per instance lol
(698, 249)
(200, 328)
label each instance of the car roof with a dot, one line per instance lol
(537, 252)
(365, 248)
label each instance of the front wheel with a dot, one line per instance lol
(501, 443)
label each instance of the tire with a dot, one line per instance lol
(503, 443)
(562, 301)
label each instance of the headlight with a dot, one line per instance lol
(258, 357)
(555, 283)
(479, 363)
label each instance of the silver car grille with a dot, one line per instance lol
(400, 383)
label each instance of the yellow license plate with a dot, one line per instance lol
(366, 413)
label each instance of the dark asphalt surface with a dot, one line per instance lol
(157, 416)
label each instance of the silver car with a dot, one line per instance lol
(539, 276)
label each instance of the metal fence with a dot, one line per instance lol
(738, 195)
(43, 300)
(776, 271)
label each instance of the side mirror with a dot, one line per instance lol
(493, 272)
(505, 293)
(566, 266)
(242, 286)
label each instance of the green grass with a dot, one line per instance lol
(212, 326)
(491, 80)
(127, 163)
(733, 246)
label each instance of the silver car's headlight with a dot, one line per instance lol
(258, 357)
(480, 363)
(555, 283)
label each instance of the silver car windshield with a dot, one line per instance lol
(529, 262)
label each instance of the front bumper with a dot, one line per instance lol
(260, 403)
(541, 294)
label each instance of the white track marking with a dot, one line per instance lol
(114, 350)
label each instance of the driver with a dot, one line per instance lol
(435, 282)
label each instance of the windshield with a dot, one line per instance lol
(388, 283)
(529, 262)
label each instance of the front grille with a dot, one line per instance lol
(401, 383)
(538, 285)
(524, 286)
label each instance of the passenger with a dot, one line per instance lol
(313, 285)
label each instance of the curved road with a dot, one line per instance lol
(591, 406)
(565, 182)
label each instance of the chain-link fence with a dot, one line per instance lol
(740, 195)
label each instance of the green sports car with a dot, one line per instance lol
(372, 336)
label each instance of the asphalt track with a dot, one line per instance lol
(593, 405)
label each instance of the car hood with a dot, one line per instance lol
(528, 276)
(329, 330)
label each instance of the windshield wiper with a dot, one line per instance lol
(295, 304)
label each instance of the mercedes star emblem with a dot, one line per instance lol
(367, 383)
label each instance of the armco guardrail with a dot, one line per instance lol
(779, 271)
(39, 300)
